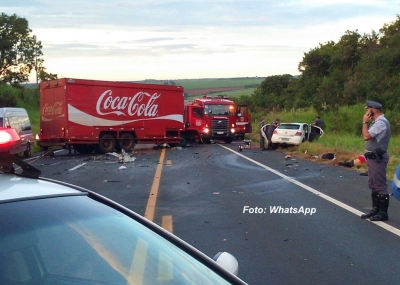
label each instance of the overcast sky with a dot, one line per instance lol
(175, 39)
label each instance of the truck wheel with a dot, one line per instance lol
(127, 142)
(107, 143)
(206, 141)
(182, 142)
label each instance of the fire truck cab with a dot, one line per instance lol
(218, 120)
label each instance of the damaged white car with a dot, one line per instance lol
(294, 133)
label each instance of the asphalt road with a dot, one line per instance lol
(219, 199)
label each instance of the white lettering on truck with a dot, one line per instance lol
(131, 106)
(56, 109)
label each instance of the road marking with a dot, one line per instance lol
(168, 163)
(76, 167)
(151, 202)
(316, 192)
(167, 223)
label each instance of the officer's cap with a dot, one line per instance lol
(373, 104)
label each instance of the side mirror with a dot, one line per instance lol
(227, 261)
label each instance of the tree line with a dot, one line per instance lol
(336, 74)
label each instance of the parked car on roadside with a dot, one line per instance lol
(295, 133)
(57, 233)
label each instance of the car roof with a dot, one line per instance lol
(14, 187)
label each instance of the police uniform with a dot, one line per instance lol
(377, 160)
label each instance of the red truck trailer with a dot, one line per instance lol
(104, 115)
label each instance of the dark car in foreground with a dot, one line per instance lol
(56, 233)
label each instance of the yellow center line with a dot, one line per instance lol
(167, 223)
(151, 203)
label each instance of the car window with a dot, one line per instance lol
(218, 110)
(76, 240)
(15, 123)
(288, 126)
(25, 124)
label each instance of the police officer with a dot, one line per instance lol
(319, 122)
(270, 132)
(376, 137)
(262, 139)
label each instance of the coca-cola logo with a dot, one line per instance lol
(55, 109)
(140, 104)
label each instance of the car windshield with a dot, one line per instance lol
(289, 126)
(76, 240)
(218, 110)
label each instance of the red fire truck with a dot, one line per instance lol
(243, 121)
(104, 115)
(219, 118)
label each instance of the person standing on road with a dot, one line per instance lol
(376, 138)
(270, 132)
(262, 140)
(319, 122)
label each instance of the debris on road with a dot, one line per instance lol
(123, 157)
(329, 156)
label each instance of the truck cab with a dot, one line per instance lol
(219, 118)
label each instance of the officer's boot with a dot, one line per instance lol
(383, 207)
(375, 207)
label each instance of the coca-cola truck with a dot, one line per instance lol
(104, 116)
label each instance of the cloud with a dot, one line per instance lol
(192, 38)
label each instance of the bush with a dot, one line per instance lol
(8, 96)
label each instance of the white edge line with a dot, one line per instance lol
(383, 225)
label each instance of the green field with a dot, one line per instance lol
(236, 93)
(230, 94)
(189, 84)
